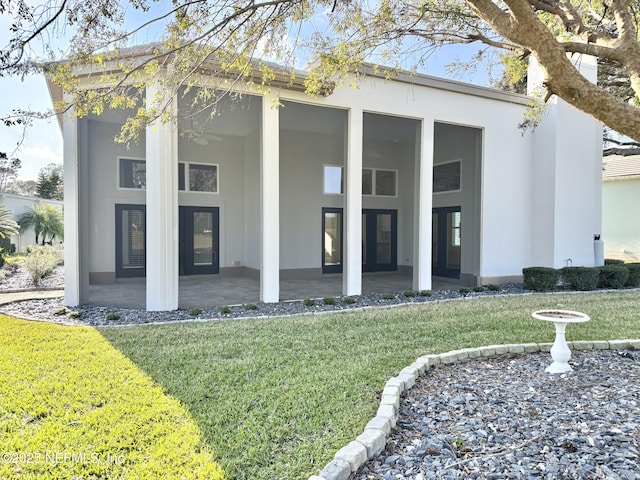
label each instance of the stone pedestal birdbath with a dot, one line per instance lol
(560, 352)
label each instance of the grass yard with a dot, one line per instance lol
(275, 398)
(73, 407)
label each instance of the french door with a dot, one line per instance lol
(446, 242)
(379, 240)
(198, 238)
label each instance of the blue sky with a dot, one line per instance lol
(43, 141)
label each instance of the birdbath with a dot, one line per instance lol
(560, 352)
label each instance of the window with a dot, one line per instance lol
(132, 173)
(333, 183)
(380, 183)
(198, 177)
(203, 178)
(446, 177)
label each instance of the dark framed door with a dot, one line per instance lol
(446, 241)
(332, 240)
(131, 252)
(379, 240)
(199, 240)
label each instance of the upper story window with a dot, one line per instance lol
(446, 177)
(132, 173)
(380, 183)
(198, 177)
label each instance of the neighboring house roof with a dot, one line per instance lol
(617, 167)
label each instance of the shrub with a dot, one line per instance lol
(613, 261)
(112, 317)
(194, 312)
(60, 311)
(40, 263)
(425, 293)
(309, 302)
(74, 314)
(224, 310)
(613, 276)
(348, 300)
(389, 296)
(464, 291)
(634, 274)
(409, 294)
(329, 300)
(581, 278)
(540, 279)
(478, 289)
(251, 306)
(493, 287)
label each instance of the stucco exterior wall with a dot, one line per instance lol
(19, 204)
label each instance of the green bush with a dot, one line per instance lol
(581, 278)
(425, 293)
(348, 300)
(409, 294)
(40, 263)
(613, 276)
(329, 300)
(224, 310)
(251, 306)
(112, 317)
(464, 291)
(613, 261)
(634, 274)
(478, 289)
(309, 302)
(493, 287)
(540, 279)
(194, 312)
(389, 296)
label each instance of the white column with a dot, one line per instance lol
(352, 263)
(423, 206)
(162, 212)
(76, 205)
(270, 202)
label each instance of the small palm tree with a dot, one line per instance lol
(7, 225)
(45, 220)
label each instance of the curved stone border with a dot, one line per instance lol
(372, 441)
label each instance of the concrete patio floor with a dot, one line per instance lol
(213, 290)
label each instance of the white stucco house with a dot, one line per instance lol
(621, 207)
(418, 175)
(19, 204)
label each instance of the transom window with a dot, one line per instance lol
(379, 183)
(376, 182)
(197, 177)
(446, 177)
(132, 173)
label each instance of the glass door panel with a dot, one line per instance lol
(453, 240)
(383, 238)
(434, 240)
(364, 239)
(332, 240)
(202, 238)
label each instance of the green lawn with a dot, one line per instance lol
(73, 407)
(275, 398)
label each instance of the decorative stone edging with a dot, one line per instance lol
(372, 440)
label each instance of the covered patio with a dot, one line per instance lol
(211, 290)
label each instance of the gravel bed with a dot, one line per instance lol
(53, 309)
(506, 418)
